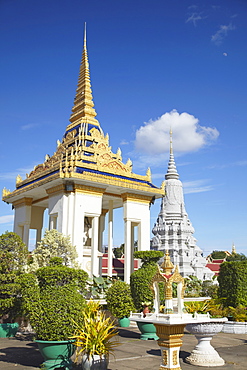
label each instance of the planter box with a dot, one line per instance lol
(233, 327)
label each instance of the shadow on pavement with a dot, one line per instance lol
(21, 355)
(128, 333)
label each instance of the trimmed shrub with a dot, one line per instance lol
(52, 300)
(233, 283)
(119, 300)
(140, 280)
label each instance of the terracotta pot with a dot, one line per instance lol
(145, 311)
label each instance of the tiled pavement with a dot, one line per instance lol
(21, 353)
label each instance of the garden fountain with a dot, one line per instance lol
(170, 325)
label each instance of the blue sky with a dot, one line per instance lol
(153, 63)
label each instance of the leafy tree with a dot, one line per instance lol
(54, 244)
(12, 243)
(236, 257)
(193, 286)
(119, 251)
(209, 289)
(233, 283)
(218, 255)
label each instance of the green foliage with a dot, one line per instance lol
(238, 313)
(140, 282)
(98, 285)
(212, 306)
(54, 244)
(94, 337)
(11, 243)
(209, 289)
(149, 257)
(197, 306)
(236, 257)
(62, 275)
(52, 300)
(193, 286)
(233, 283)
(218, 255)
(119, 251)
(119, 300)
(9, 300)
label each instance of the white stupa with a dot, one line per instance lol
(173, 230)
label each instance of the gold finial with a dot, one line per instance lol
(167, 265)
(148, 174)
(18, 179)
(162, 186)
(5, 192)
(83, 111)
(233, 249)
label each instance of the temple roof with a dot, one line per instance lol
(84, 155)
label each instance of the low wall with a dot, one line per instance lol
(233, 327)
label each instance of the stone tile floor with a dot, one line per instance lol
(21, 353)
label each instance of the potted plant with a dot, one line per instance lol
(52, 300)
(93, 338)
(140, 281)
(119, 302)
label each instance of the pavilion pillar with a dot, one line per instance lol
(127, 250)
(94, 247)
(110, 238)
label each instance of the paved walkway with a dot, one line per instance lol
(21, 353)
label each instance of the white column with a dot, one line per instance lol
(110, 237)
(26, 228)
(127, 250)
(94, 248)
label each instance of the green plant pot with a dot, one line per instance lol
(124, 322)
(148, 330)
(56, 353)
(8, 330)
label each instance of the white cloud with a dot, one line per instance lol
(6, 219)
(29, 126)
(194, 18)
(219, 36)
(124, 142)
(197, 186)
(153, 138)
(12, 175)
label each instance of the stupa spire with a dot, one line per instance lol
(172, 170)
(83, 111)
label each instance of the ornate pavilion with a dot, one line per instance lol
(82, 182)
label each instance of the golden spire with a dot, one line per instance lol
(167, 265)
(83, 111)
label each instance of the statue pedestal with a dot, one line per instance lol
(170, 343)
(170, 330)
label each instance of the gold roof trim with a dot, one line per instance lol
(23, 202)
(88, 190)
(136, 198)
(56, 189)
